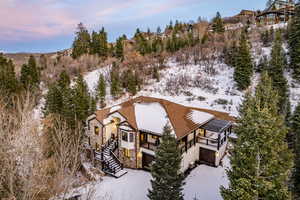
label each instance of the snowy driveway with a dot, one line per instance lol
(203, 182)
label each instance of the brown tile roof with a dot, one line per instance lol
(177, 114)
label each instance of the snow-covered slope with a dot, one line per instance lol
(202, 183)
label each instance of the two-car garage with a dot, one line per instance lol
(207, 156)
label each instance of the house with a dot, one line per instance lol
(128, 134)
(278, 11)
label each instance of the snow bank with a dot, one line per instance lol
(199, 117)
(203, 182)
(92, 78)
(151, 117)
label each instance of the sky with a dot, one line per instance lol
(49, 25)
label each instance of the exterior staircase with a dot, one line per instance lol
(110, 163)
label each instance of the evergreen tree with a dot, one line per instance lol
(158, 30)
(244, 67)
(263, 64)
(265, 38)
(69, 108)
(167, 181)
(64, 80)
(217, 24)
(294, 43)
(8, 82)
(55, 96)
(30, 74)
(260, 159)
(104, 43)
(101, 89)
(115, 81)
(296, 131)
(137, 33)
(230, 55)
(95, 43)
(82, 99)
(119, 49)
(54, 101)
(276, 72)
(81, 44)
(132, 83)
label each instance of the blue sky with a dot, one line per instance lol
(49, 25)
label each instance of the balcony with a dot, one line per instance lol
(209, 141)
(149, 146)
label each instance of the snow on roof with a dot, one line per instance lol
(115, 108)
(199, 117)
(151, 117)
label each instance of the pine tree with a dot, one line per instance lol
(54, 101)
(104, 43)
(132, 84)
(167, 181)
(81, 44)
(55, 96)
(101, 89)
(8, 82)
(294, 44)
(115, 81)
(95, 44)
(119, 49)
(244, 67)
(158, 30)
(295, 124)
(266, 38)
(260, 159)
(35, 72)
(276, 72)
(64, 80)
(82, 99)
(30, 74)
(230, 55)
(218, 25)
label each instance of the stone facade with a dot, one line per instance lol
(95, 133)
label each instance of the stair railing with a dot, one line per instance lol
(116, 159)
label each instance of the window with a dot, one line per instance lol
(202, 132)
(154, 137)
(127, 153)
(124, 136)
(96, 130)
(127, 137)
(130, 137)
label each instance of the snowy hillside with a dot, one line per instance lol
(190, 85)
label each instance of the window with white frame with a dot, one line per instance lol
(127, 136)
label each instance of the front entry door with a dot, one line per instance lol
(146, 161)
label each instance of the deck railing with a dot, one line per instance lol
(149, 146)
(209, 141)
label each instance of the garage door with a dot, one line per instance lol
(207, 156)
(147, 160)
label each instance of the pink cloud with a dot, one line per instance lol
(41, 19)
(33, 20)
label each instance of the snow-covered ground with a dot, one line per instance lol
(203, 182)
(209, 91)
